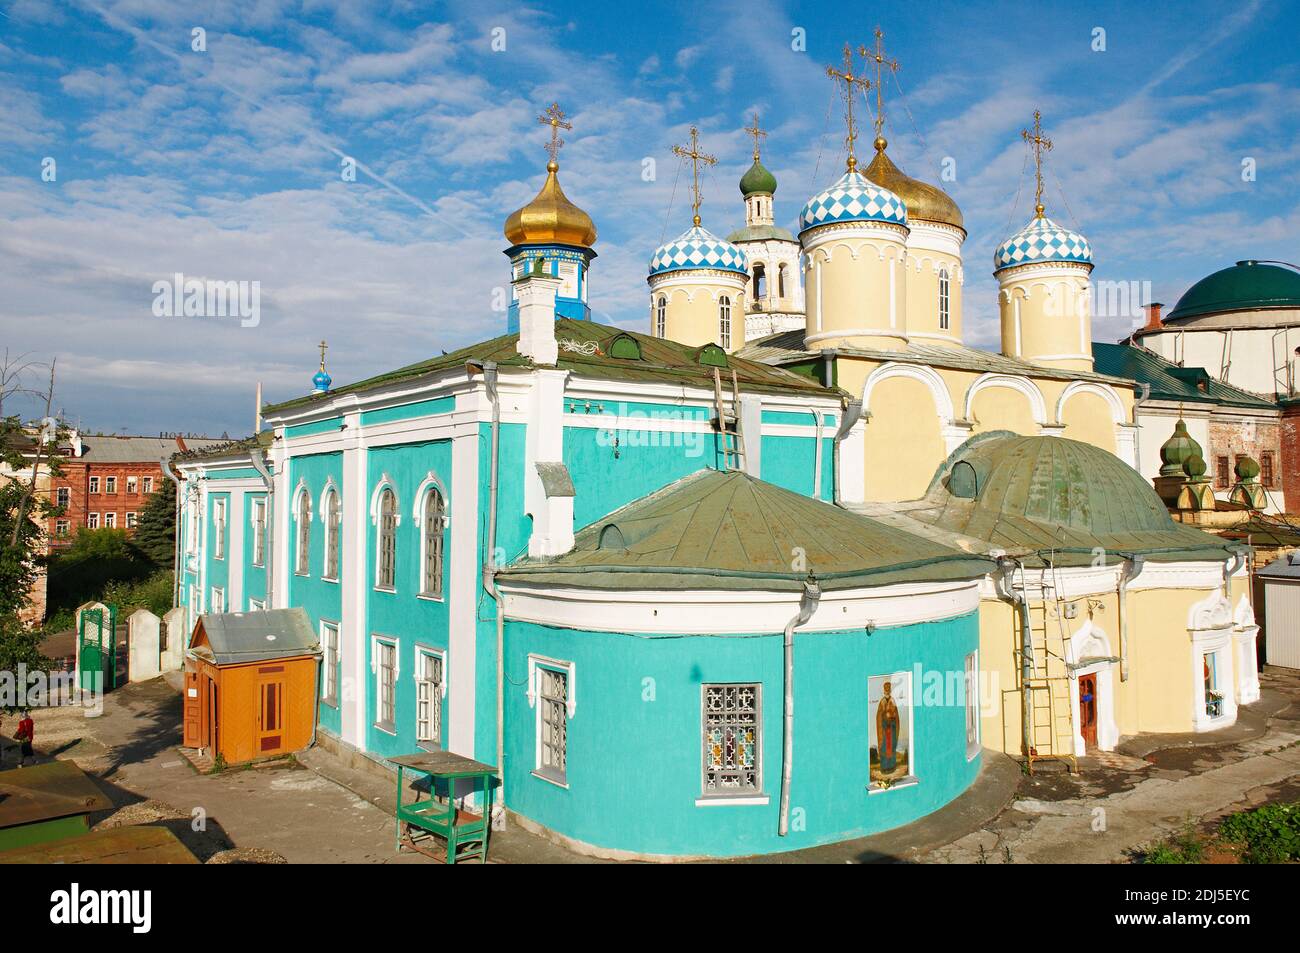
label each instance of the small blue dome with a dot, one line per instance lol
(1042, 240)
(695, 248)
(321, 381)
(854, 198)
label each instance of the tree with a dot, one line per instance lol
(155, 531)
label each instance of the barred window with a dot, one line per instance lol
(218, 529)
(428, 699)
(387, 550)
(63, 496)
(302, 557)
(385, 683)
(661, 317)
(731, 724)
(1266, 468)
(724, 322)
(259, 532)
(433, 524)
(943, 298)
(553, 715)
(330, 677)
(332, 535)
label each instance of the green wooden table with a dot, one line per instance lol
(465, 833)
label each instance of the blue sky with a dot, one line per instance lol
(225, 163)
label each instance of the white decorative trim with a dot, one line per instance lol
(1022, 384)
(325, 491)
(1090, 641)
(385, 483)
(535, 662)
(856, 332)
(753, 801)
(431, 481)
(1117, 412)
(421, 648)
(918, 372)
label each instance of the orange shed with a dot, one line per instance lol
(250, 684)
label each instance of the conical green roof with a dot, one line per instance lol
(757, 179)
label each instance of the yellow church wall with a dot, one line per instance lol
(1045, 315)
(856, 290)
(1003, 408)
(693, 312)
(904, 445)
(1160, 649)
(1088, 418)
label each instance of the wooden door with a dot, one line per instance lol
(193, 712)
(214, 720)
(270, 714)
(1088, 708)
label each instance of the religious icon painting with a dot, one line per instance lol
(889, 699)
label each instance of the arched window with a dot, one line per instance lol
(386, 551)
(780, 281)
(724, 321)
(760, 282)
(301, 557)
(943, 299)
(432, 519)
(661, 317)
(332, 534)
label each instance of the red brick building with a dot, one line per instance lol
(107, 480)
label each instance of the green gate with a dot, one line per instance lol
(97, 648)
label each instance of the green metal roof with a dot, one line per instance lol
(662, 362)
(234, 638)
(1169, 381)
(1040, 494)
(1244, 286)
(728, 530)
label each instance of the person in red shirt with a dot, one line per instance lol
(26, 734)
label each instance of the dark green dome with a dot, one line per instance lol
(757, 179)
(1177, 450)
(1246, 285)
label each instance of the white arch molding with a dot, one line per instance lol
(1091, 646)
(431, 481)
(385, 483)
(918, 372)
(1106, 393)
(1024, 385)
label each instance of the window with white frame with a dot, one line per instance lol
(218, 599)
(386, 544)
(63, 496)
(192, 525)
(94, 484)
(62, 527)
(943, 299)
(302, 557)
(110, 484)
(332, 534)
(384, 658)
(110, 521)
(329, 640)
(132, 485)
(732, 726)
(429, 688)
(92, 520)
(661, 317)
(130, 520)
(432, 526)
(148, 484)
(553, 688)
(218, 529)
(256, 605)
(972, 705)
(724, 322)
(259, 532)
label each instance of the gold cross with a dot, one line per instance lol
(696, 157)
(757, 134)
(882, 63)
(850, 82)
(1040, 144)
(555, 118)
(322, 347)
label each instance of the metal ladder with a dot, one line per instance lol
(1051, 712)
(726, 418)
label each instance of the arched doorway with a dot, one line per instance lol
(1092, 692)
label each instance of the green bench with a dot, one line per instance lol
(466, 834)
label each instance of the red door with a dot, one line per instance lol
(270, 715)
(1088, 709)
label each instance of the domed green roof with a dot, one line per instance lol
(757, 179)
(1246, 285)
(1177, 450)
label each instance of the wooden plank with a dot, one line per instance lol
(115, 845)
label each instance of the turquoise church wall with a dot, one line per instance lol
(635, 739)
(254, 576)
(320, 598)
(404, 615)
(216, 572)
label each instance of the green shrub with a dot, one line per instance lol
(1271, 833)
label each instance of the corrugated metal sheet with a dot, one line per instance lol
(234, 637)
(1282, 621)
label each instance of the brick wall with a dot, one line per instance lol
(1252, 437)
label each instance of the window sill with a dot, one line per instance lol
(428, 746)
(386, 727)
(388, 589)
(908, 782)
(328, 702)
(430, 597)
(550, 780)
(333, 579)
(756, 800)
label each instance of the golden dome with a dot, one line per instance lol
(551, 217)
(925, 202)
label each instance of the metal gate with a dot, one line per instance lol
(97, 649)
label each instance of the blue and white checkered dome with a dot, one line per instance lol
(854, 198)
(698, 248)
(1042, 240)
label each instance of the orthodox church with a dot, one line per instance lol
(699, 595)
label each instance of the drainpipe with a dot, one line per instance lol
(1002, 583)
(1137, 427)
(166, 464)
(259, 464)
(849, 417)
(489, 372)
(1230, 569)
(812, 595)
(1131, 569)
(820, 421)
